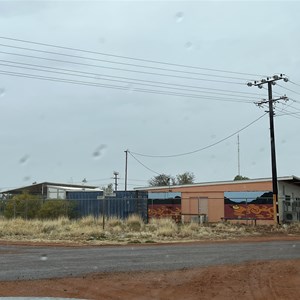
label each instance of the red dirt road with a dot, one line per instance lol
(258, 280)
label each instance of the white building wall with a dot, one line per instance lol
(288, 201)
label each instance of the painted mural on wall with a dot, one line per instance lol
(163, 205)
(254, 205)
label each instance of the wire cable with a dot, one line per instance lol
(294, 83)
(121, 63)
(125, 82)
(283, 87)
(127, 57)
(125, 70)
(136, 81)
(149, 91)
(200, 149)
(143, 164)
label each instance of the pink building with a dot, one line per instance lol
(245, 200)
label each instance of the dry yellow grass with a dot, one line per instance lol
(132, 230)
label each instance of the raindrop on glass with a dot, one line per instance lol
(2, 92)
(99, 151)
(188, 45)
(26, 178)
(24, 159)
(102, 40)
(129, 87)
(179, 17)
(44, 257)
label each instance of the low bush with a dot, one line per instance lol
(134, 223)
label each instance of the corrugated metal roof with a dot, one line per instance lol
(292, 178)
(38, 187)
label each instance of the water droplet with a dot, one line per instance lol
(99, 151)
(283, 141)
(2, 92)
(261, 149)
(294, 246)
(188, 45)
(44, 257)
(24, 159)
(95, 268)
(26, 178)
(102, 40)
(179, 17)
(130, 87)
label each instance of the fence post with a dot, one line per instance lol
(103, 216)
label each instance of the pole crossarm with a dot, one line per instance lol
(265, 101)
(272, 80)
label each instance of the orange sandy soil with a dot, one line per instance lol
(256, 280)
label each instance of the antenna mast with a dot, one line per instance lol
(239, 164)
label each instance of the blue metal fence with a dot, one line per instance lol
(122, 205)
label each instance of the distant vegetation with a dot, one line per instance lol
(240, 177)
(179, 179)
(31, 207)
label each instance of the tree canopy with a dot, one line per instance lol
(179, 179)
(240, 177)
(185, 178)
(161, 180)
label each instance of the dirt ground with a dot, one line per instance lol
(256, 280)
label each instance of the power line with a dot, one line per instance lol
(120, 63)
(143, 164)
(136, 81)
(200, 149)
(294, 83)
(285, 88)
(124, 70)
(127, 82)
(127, 57)
(149, 91)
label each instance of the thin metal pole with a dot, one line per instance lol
(239, 165)
(103, 215)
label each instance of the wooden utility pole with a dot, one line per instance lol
(271, 81)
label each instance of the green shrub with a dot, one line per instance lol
(54, 209)
(25, 206)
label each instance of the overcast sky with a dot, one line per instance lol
(67, 131)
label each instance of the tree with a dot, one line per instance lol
(24, 205)
(55, 208)
(162, 180)
(109, 190)
(185, 178)
(240, 177)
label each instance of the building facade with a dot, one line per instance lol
(244, 200)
